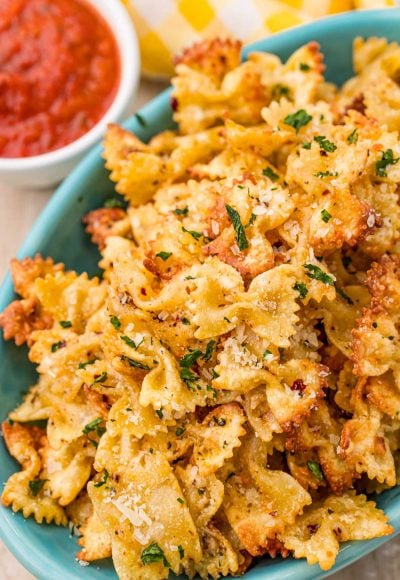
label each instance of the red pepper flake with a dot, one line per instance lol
(299, 386)
(174, 104)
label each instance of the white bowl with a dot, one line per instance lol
(45, 170)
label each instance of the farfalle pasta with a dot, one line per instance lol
(230, 387)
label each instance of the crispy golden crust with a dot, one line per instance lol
(24, 272)
(214, 57)
(100, 223)
(21, 318)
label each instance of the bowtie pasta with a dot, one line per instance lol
(230, 388)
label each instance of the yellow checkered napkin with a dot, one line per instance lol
(164, 27)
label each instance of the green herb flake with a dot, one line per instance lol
(36, 486)
(83, 365)
(193, 233)
(180, 500)
(324, 144)
(181, 552)
(112, 202)
(95, 425)
(190, 358)
(268, 172)
(209, 350)
(115, 322)
(304, 67)
(251, 221)
(279, 91)
(104, 480)
(129, 341)
(386, 159)
(315, 273)
(139, 118)
(57, 345)
(160, 413)
(153, 554)
(185, 321)
(353, 137)
(315, 469)
(134, 363)
(306, 145)
(181, 211)
(238, 227)
(164, 255)
(343, 295)
(267, 355)
(322, 174)
(180, 431)
(298, 119)
(325, 216)
(65, 323)
(101, 378)
(301, 289)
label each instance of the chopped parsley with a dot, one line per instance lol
(115, 322)
(353, 137)
(304, 67)
(324, 144)
(190, 359)
(193, 233)
(104, 480)
(101, 378)
(268, 355)
(268, 172)
(386, 159)
(322, 174)
(83, 365)
(185, 321)
(343, 294)
(301, 289)
(180, 431)
(164, 255)
(129, 341)
(152, 554)
(279, 91)
(315, 469)
(140, 120)
(65, 323)
(57, 345)
(209, 350)
(181, 552)
(180, 500)
(134, 363)
(306, 145)
(95, 426)
(298, 119)
(112, 202)
(160, 413)
(36, 486)
(181, 211)
(325, 216)
(238, 227)
(315, 273)
(251, 221)
(189, 377)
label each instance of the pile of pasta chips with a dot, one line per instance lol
(230, 388)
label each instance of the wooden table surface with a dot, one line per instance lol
(19, 210)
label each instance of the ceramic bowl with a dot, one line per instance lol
(48, 169)
(47, 551)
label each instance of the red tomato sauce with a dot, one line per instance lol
(59, 73)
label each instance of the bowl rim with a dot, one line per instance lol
(118, 20)
(45, 568)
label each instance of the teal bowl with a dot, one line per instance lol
(47, 551)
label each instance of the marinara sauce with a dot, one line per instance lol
(59, 73)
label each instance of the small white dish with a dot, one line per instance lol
(48, 169)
